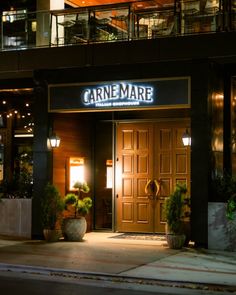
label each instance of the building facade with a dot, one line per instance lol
(120, 89)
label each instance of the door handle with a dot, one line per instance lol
(149, 182)
(149, 189)
(154, 186)
(158, 187)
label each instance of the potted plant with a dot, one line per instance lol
(52, 207)
(74, 227)
(231, 207)
(174, 213)
(224, 190)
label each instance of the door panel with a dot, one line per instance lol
(128, 164)
(172, 163)
(148, 152)
(133, 169)
(163, 170)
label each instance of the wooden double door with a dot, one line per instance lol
(150, 160)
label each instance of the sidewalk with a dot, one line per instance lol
(105, 254)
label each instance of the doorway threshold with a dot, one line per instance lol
(140, 236)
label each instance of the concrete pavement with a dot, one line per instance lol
(106, 255)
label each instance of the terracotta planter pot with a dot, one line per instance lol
(175, 241)
(52, 235)
(74, 229)
(185, 231)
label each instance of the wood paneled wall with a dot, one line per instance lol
(76, 133)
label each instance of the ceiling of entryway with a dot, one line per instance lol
(152, 3)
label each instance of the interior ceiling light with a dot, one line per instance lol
(23, 135)
(16, 106)
(17, 90)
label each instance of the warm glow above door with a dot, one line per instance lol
(140, 4)
(79, 3)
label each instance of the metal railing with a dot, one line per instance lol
(111, 23)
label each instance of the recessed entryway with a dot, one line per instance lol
(150, 160)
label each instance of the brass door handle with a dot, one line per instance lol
(149, 182)
(149, 185)
(149, 189)
(158, 187)
(153, 186)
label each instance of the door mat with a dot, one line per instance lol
(147, 237)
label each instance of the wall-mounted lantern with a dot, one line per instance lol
(186, 138)
(54, 141)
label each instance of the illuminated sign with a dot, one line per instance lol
(117, 94)
(120, 95)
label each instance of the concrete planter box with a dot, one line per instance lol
(221, 231)
(16, 217)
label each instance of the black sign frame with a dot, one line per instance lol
(120, 95)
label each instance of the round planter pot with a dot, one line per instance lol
(74, 229)
(52, 235)
(175, 241)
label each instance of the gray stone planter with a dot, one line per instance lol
(221, 231)
(16, 217)
(74, 229)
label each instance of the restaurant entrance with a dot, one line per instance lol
(150, 160)
(129, 136)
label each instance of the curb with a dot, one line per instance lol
(99, 276)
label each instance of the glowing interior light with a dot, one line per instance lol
(34, 26)
(109, 177)
(109, 174)
(76, 174)
(76, 171)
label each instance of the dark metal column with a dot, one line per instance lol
(227, 160)
(200, 152)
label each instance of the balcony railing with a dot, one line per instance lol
(111, 23)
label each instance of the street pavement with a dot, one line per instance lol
(105, 256)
